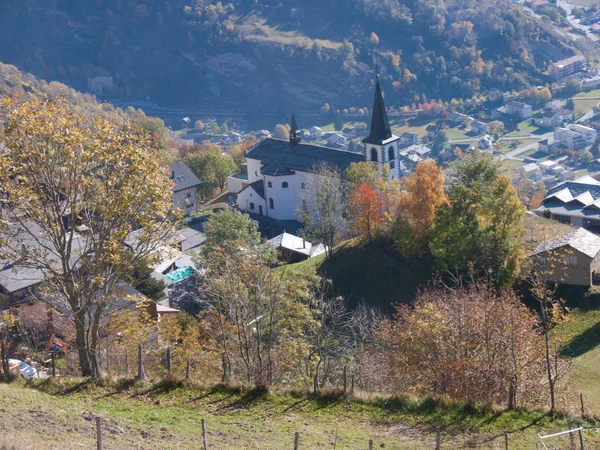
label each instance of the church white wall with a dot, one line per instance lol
(254, 166)
(235, 185)
(248, 197)
(286, 201)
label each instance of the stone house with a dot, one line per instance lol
(569, 259)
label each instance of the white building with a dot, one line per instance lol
(280, 172)
(315, 132)
(575, 136)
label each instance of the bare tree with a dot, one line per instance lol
(322, 212)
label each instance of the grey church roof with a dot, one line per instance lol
(380, 125)
(183, 177)
(279, 157)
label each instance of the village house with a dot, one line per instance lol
(349, 132)
(337, 140)
(513, 108)
(457, 118)
(185, 189)
(575, 202)
(408, 139)
(262, 135)
(567, 67)
(549, 119)
(293, 248)
(575, 136)
(485, 142)
(531, 170)
(478, 127)
(570, 259)
(315, 132)
(280, 172)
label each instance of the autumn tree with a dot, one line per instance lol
(365, 210)
(199, 125)
(423, 193)
(482, 223)
(473, 343)
(63, 169)
(281, 131)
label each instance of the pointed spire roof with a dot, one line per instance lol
(380, 125)
(294, 133)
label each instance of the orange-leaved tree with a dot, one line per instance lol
(423, 193)
(365, 209)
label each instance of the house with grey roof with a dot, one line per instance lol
(569, 259)
(575, 202)
(292, 248)
(279, 172)
(185, 188)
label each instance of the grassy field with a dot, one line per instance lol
(581, 336)
(61, 414)
(583, 106)
(456, 133)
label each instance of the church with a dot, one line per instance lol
(278, 171)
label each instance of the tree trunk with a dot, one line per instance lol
(549, 369)
(86, 357)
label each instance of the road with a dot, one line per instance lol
(574, 21)
(513, 155)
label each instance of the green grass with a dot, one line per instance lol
(456, 133)
(583, 106)
(529, 125)
(373, 273)
(60, 414)
(581, 336)
(594, 93)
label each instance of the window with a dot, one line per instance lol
(256, 172)
(392, 164)
(571, 260)
(271, 203)
(391, 153)
(252, 206)
(188, 194)
(374, 154)
(284, 184)
(303, 185)
(269, 184)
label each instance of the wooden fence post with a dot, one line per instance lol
(345, 379)
(187, 370)
(98, 433)
(296, 440)
(582, 408)
(53, 353)
(580, 437)
(169, 359)
(438, 439)
(370, 444)
(141, 372)
(204, 434)
(352, 383)
(506, 441)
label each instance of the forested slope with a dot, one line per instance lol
(267, 54)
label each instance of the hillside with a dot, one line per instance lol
(266, 55)
(61, 415)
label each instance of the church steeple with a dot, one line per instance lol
(380, 125)
(294, 133)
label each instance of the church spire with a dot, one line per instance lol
(294, 133)
(380, 125)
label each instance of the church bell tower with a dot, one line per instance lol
(381, 146)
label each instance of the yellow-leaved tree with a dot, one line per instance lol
(74, 187)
